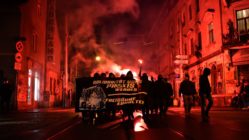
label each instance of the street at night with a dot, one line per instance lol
(124, 69)
(60, 124)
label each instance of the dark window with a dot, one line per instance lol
(192, 46)
(51, 85)
(197, 6)
(190, 12)
(199, 41)
(183, 19)
(34, 42)
(185, 50)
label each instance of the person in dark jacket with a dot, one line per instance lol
(129, 108)
(205, 94)
(164, 91)
(244, 94)
(187, 88)
(146, 86)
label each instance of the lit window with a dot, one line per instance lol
(37, 87)
(243, 21)
(29, 86)
(211, 32)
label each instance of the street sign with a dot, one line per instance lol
(18, 57)
(182, 56)
(17, 66)
(181, 61)
(19, 46)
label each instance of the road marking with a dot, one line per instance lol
(179, 133)
(109, 124)
(114, 127)
(64, 130)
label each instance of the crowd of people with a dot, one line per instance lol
(160, 94)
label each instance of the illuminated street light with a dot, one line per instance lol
(97, 58)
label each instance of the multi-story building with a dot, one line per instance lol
(213, 34)
(37, 69)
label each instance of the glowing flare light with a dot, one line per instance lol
(139, 124)
(140, 61)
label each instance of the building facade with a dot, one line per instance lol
(37, 55)
(211, 34)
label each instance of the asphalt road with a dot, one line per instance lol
(223, 124)
(65, 124)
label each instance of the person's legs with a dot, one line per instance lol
(190, 100)
(203, 105)
(210, 104)
(185, 101)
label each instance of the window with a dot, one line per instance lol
(183, 19)
(211, 32)
(51, 85)
(192, 46)
(29, 98)
(243, 23)
(185, 50)
(34, 42)
(199, 41)
(190, 12)
(37, 87)
(197, 6)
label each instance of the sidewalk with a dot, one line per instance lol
(179, 109)
(61, 109)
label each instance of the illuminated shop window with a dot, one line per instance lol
(211, 32)
(243, 23)
(29, 86)
(37, 87)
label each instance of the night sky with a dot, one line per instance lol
(112, 29)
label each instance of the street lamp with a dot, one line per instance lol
(98, 58)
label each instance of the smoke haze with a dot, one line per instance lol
(114, 30)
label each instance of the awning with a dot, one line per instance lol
(241, 57)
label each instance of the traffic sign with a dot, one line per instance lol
(18, 57)
(19, 46)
